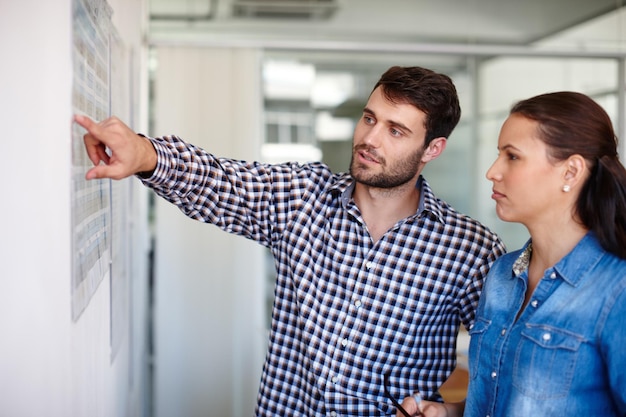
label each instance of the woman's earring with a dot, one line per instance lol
(566, 188)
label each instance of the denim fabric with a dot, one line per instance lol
(565, 355)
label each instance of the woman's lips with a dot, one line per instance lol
(496, 194)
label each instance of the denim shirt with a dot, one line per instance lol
(565, 355)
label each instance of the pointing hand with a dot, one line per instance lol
(128, 153)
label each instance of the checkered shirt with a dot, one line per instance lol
(347, 310)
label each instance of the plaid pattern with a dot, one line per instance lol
(347, 310)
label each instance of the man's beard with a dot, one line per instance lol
(402, 172)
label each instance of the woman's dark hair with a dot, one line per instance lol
(571, 123)
(430, 92)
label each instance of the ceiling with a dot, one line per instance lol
(505, 23)
(480, 21)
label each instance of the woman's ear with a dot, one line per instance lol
(434, 149)
(575, 170)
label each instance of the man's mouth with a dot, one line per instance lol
(369, 157)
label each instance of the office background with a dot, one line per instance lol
(185, 333)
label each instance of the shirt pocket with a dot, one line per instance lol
(476, 333)
(545, 361)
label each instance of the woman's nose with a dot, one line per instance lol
(492, 172)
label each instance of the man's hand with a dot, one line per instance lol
(432, 409)
(129, 152)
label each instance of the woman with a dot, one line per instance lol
(549, 337)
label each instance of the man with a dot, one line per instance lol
(375, 274)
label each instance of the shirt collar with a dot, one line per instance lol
(574, 266)
(428, 204)
(521, 263)
(583, 258)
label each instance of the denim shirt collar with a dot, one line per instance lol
(573, 267)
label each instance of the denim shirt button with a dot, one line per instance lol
(534, 303)
(553, 275)
(494, 374)
(546, 336)
(503, 332)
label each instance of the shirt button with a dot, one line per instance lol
(534, 303)
(493, 375)
(335, 379)
(546, 336)
(333, 414)
(344, 342)
(553, 275)
(369, 264)
(503, 332)
(357, 303)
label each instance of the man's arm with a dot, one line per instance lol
(129, 153)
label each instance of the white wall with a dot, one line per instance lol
(49, 364)
(209, 299)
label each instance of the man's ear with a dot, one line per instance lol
(434, 149)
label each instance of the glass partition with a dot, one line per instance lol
(312, 101)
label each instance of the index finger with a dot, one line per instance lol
(96, 149)
(84, 121)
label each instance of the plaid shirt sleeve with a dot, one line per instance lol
(470, 294)
(250, 199)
